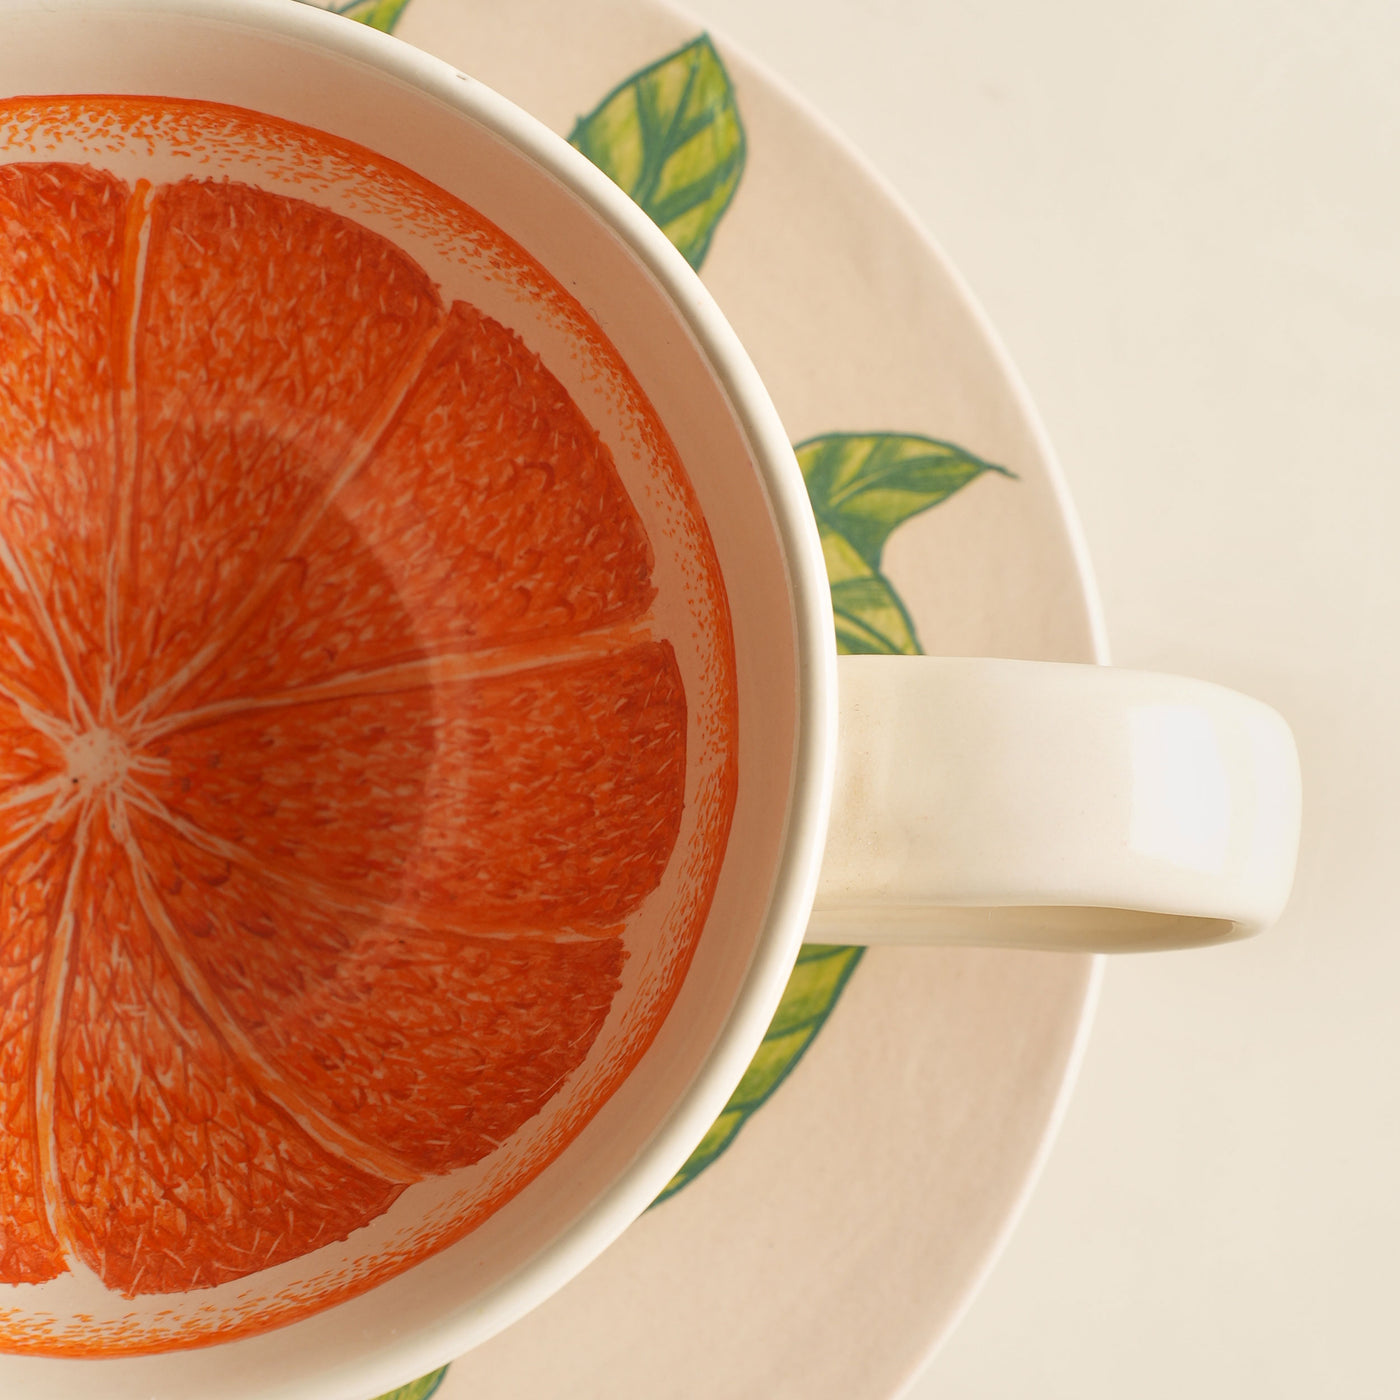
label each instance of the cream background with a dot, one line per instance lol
(1182, 220)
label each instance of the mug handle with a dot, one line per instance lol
(1047, 805)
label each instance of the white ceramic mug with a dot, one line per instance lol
(877, 799)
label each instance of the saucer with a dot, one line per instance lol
(846, 1224)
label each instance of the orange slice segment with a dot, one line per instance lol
(431, 1045)
(29, 1251)
(306, 329)
(539, 799)
(489, 514)
(34, 785)
(61, 238)
(175, 1172)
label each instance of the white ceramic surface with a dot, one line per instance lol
(1181, 219)
(805, 1263)
(1028, 804)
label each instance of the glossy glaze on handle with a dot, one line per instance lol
(1046, 805)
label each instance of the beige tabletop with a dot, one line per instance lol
(1183, 219)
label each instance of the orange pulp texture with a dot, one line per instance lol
(335, 747)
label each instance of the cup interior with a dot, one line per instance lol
(497, 215)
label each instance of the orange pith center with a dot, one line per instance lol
(98, 760)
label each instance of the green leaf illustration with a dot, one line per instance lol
(420, 1389)
(871, 618)
(863, 485)
(816, 983)
(670, 135)
(378, 14)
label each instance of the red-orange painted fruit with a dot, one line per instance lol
(336, 743)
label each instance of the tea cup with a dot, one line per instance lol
(427, 748)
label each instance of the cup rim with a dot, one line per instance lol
(794, 879)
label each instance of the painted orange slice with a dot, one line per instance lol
(339, 739)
